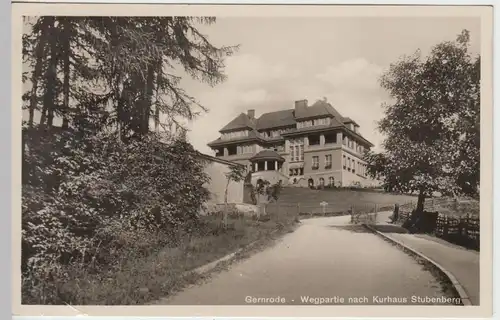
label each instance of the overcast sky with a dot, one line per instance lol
(286, 59)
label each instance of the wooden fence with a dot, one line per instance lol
(461, 230)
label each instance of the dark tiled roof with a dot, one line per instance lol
(348, 120)
(282, 118)
(318, 109)
(286, 118)
(240, 122)
(267, 155)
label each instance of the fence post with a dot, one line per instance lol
(298, 210)
(445, 227)
(466, 227)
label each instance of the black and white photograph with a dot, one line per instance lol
(232, 160)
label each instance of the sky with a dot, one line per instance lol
(282, 60)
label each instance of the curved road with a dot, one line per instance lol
(326, 259)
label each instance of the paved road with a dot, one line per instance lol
(461, 262)
(323, 258)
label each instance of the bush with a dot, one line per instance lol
(85, 197)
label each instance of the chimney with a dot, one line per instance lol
(300, 104)
(251, 113)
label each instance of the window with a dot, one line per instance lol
(231, 151)
(348, 164)
(245, 149)
(328, 161)
(345, 162)
(321, 182)
(323, 121)
(331, 138)
(297, 150)
(331, 181)
(314, 140)
(315, 162)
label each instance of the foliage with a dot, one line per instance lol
(117, 71)
(428, 123)
(93, 185)
(78, 192)
(264, 191)
(236, 173)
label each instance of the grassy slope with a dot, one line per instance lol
(338, 200)
(146, 276)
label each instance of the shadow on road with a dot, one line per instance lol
(389, 228)
(356, 228)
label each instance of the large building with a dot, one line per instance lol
(304, 146)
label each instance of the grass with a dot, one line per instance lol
(142, 278)
(460, 209)
(307, 201)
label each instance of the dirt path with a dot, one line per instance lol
(323, 258)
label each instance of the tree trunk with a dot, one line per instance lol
(66, 71)
(157, 106)
(225, 203)
(146, 107)
(34, 80)
(50, 90)
(420, 202)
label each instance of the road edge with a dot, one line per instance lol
(453, 280)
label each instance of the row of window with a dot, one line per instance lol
(312, 123)
(328, 162)
(296, 172)
(354, 166)
(275, 133)
(245, 149)
(351, 144)
(234, 135)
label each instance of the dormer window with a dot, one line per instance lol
(235, 134)
(312, 123)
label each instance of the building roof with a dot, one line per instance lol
(214, 159)
(349, 120)
(318, 109)
(286, 118)
(240, 122)
(252, 136)
(267, 155)
(276, 119)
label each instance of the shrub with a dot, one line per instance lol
(85, 197)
